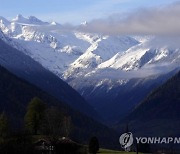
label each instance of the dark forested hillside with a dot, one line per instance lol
(26, 68)
(159, 113)
(16, 93)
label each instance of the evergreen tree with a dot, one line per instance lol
(52, 122)
(67, 126)
(34, 115)
(93, 145)
(4, 126)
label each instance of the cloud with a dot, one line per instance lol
(145, 71)
(148, 21)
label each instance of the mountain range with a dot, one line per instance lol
(112, 72)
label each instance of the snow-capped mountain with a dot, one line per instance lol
(30, 20)
(142, 57)
(58, 49)
(71, 53)
(92, 62)
(26, 68)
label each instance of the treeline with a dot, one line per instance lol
(45, 130)
(40, 121)
(15, 94)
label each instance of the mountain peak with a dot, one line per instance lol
(34, 19)
(2, 18)
(30, 20)
(19, 18)
(3, 21)
(54, 23)
(85, 23)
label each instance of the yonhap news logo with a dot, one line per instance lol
(126, 140)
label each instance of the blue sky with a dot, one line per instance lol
(73, 11)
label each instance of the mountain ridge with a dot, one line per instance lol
(25, 67)
(71, 53)
(158, 111)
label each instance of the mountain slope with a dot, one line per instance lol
(108, 71)
(15, 94)
(114, 99)
(159, 113)
(26, 68)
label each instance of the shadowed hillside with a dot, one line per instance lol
(16, 93)
(159, 113)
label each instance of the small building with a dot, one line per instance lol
(61, 146)
(44, 146)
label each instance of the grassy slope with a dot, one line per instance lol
(115, 152)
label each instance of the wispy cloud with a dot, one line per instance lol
(149, 70)
(163, 20)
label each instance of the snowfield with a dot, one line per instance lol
(72, 54)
